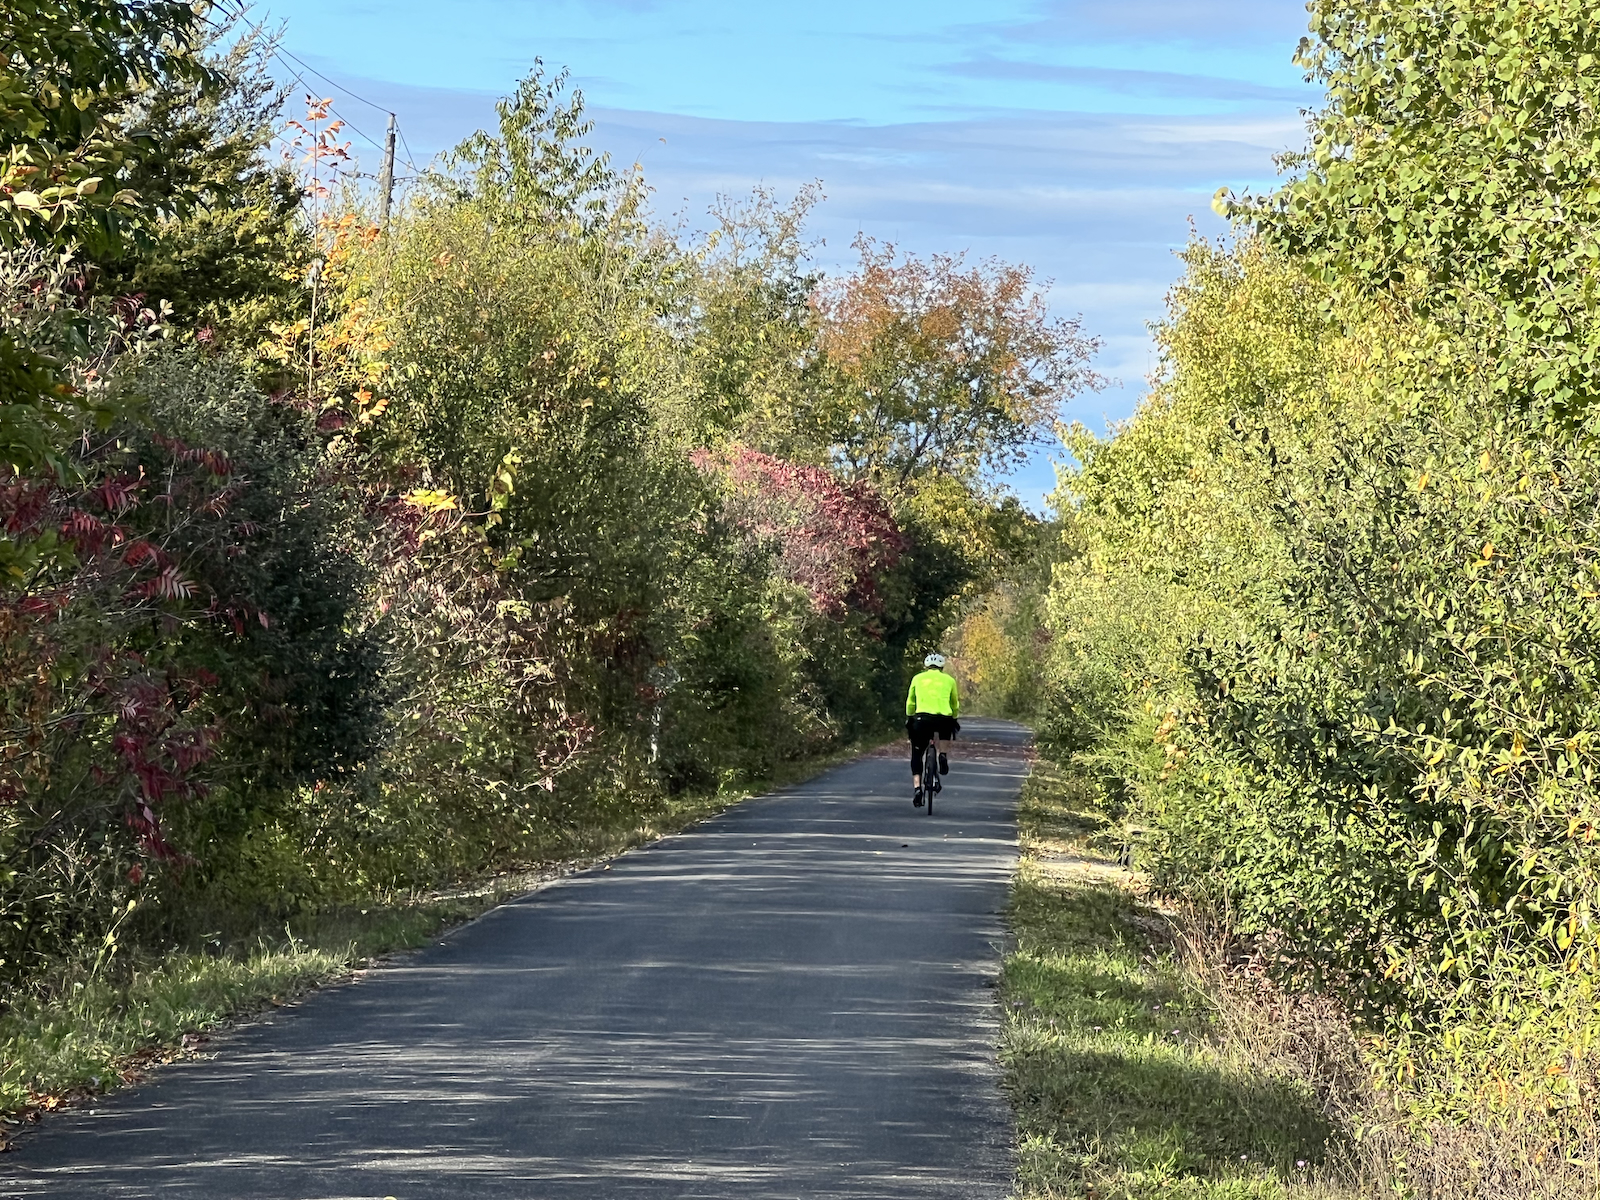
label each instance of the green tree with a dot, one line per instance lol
(225, 241)
(755, 329)
(71, 69)
(940, 369)
(1330, 627)
(1451, 172)
(536, 166)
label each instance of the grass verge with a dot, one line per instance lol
(1123, 1086)
(94, 1034)
(105, 1027)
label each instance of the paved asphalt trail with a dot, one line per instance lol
(790, 1000)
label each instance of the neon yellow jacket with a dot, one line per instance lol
(933, 692)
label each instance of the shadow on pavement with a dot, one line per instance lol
(793, 999)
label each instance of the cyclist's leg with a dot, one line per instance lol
(922, 730)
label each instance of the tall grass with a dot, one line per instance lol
(1149, 1057)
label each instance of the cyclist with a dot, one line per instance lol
(932, 706)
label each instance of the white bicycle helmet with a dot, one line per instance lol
(934, 660)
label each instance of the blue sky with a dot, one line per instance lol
(1078, 136)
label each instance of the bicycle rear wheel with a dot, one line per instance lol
(930, 774)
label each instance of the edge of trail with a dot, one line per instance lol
(724, 1007)
(289, 966)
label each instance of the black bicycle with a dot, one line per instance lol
(930, 772)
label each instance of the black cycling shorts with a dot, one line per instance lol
(923, 728)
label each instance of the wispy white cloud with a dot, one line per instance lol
(1227, 22)
(1097, 204)
(1120, 80)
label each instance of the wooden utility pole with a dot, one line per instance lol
(386, 179)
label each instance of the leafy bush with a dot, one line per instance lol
(1330, 627)
(524, 529)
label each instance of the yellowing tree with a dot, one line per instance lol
(932, 366)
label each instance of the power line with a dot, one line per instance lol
(410, 159)
(300, 78)
(348, 123)
(307, 69)
(279, 53)
(333, 83)
(370, 140)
